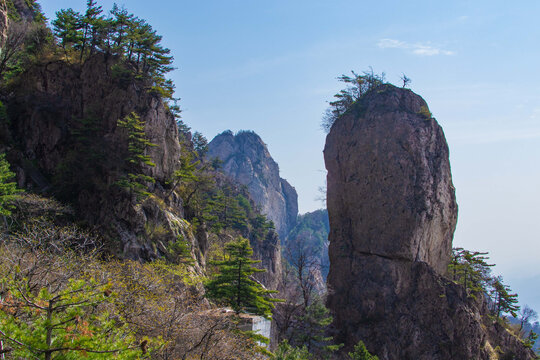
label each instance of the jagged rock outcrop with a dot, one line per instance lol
(60, 112)
(392, 213)
(63, 140)
(246, 159)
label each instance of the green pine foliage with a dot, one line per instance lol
(52, 323)
(8, 189)
(287, 352)
(311, 330)
(473, 272)
(357, 87)
(135, 181)
(470, 269)
(361, 353)
(121, 34)
(233, 284)
(503, 301)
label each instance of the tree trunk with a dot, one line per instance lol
(4, 24)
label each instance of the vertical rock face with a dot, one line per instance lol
(247, 160)
(392, 213)
(389, 174)
(46, 112)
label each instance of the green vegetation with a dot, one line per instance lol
(310, 237)
(302, 320)
(62, 323)
(470, 269)
(8, 190)
(56, 280)
(22, 40)
(357, 87)
(121, 34)
(361, 353)
(287, 352)
(473, 272)
(135, 180)
(233, 284)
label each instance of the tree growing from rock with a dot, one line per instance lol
(135, 180)
(356, 86)
(503, 299)
(361, 353)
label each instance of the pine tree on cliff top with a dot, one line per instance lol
(233, 284)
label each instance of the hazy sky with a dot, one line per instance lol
(270, 66)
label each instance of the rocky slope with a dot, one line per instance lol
(310, 235)
(66, 142)
(246, 159)
(392, 214)
(63, 140)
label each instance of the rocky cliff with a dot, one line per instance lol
(66, 142)
(310, 236)
(246, 159)
(392, 213)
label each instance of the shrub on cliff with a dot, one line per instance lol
(361, 353)
(357, 86)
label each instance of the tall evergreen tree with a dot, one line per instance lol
(90, 25)
(504, 301)
(135, 180)
(68, 28)
(233, 284)
(361, 353)
(8, 190)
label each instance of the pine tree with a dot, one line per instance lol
(135, 180)
(504, 300)
(51, 323)
(8, 190)
(90, 25)
(361, 353)
(311, 331)
(470, 269)
(68, 28)
(233, 284)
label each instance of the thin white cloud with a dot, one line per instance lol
(416, 48)
(499, 136)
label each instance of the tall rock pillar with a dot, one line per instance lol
(393, 212)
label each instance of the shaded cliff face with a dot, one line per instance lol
(247, 160)
(392, 213)
(61, 114)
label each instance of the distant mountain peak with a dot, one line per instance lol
(247, 160)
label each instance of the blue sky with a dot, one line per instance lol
(271, 67)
